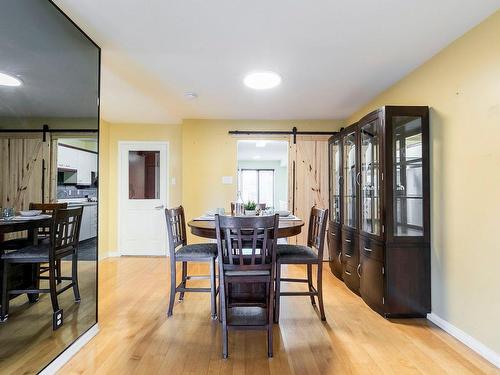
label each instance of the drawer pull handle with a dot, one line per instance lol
(358, 270)
(348, 241)
(367, 249)
(347, 255)
(348, 272)
(340, 254)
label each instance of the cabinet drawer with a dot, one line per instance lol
(349, 244)
(351, 278)
(371, 248)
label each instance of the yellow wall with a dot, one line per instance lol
(209, 152)
(461, 84)
(110, 135)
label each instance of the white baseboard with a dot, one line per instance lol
(74, 348)
(481, 349)
(113, 254)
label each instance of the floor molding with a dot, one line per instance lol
(481, 349)
(74, 348)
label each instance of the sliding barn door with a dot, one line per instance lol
(25, 170)
(308, 173)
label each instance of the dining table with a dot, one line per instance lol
(206, 228)
(22, 276)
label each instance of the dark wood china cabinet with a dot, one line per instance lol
(380, 204)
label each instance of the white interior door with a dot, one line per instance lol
(143, 198)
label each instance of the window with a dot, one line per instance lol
(143, 174)
(257, 185)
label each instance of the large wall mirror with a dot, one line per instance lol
(49, 123)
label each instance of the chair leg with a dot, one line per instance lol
(35, 273)
(52, 287)
(309, 282)
(319, 285)
(74, 275)
(270, 314)
(5, 296)
(184, 276)
(172, 287)
(223, 312)
(277, 296)
(213, 290)
(59, 274)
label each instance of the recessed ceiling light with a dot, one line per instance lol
(262, 80)
(190, 95)
(8, 80)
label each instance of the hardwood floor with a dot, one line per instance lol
(27, 341)
(137, 338)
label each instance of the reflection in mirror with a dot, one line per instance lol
(48, 185)
(351, 178)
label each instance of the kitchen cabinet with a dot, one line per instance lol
(334, 232)
(384, 209)
(88, 228)
(83, 162)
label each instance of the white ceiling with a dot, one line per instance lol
(334, 56)
(56, 63)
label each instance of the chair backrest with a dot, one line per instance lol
(317, 229)
(176, 228)
(65, 231)
(246, 243)
(46, 208)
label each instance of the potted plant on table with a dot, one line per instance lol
(250, 208)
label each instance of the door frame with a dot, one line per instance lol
(119, 187)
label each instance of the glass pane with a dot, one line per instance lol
(335, 181)
(350, 180)
(249, 184)
(144, 174)
(266, 188)
(408, 188)
(370, 185)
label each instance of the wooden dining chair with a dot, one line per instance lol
(310, 255)
(247, 258)
(62, 242)
(181, 252)
(43, 233)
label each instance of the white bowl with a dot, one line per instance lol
(30, 213)
(283, 213)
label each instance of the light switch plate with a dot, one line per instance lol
(227, 180)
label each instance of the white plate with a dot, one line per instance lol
(30, 213)
(283, 213)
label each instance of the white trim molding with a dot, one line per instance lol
(70, 351)
(489, 354)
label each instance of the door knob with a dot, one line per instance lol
(159, 207)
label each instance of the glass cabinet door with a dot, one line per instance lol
(370, 184)
(407, 185)
(350, 175)
(335, 181)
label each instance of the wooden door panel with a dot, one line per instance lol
(372, 282)
(308, 180)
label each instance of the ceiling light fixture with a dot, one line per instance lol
(8, 80)
(263, 80)
(190, 95)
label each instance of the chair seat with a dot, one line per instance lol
(296, 254)
(39, 252)
(248, 273)
(194, 251)
(14, 244)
